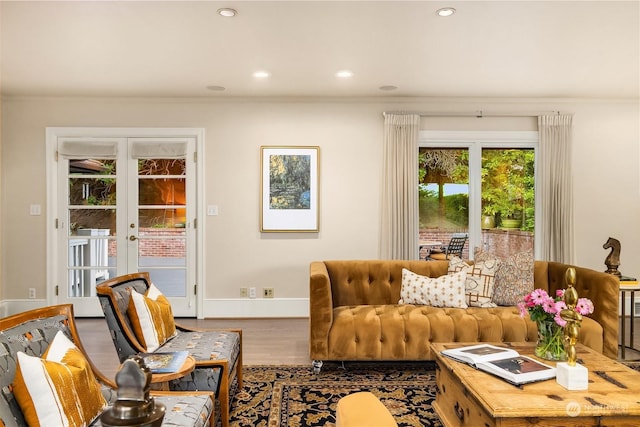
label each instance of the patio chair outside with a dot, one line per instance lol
(454, 248)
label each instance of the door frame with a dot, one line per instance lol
(52, 135)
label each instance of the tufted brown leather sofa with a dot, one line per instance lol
(355, 315)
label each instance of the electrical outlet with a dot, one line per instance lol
(244, 292)
(32, 293)
(267, 292)
(252, 292)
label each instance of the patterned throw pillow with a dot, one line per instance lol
(59, 389)
(151, 318)
(443, 291)
(480, 280)
(514, 278)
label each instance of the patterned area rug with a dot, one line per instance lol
(294, 396)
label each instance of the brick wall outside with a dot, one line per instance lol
(498, 241)
(171, 247)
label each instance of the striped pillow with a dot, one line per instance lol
(151, 318)
(58, 389)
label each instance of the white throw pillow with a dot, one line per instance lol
(58, 389)
(443, 291)
(480, 280)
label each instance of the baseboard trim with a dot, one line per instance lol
(258, 307)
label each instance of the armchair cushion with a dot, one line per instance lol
(151, 318)
(59, 389)
(443, 291)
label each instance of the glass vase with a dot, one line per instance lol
(550, 345)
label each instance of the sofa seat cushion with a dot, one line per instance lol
(406, 331)
(205, 346)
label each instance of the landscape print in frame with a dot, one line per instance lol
(289, 180)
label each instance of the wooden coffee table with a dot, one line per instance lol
(469, 397)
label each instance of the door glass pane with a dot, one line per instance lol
(171, 282)
(508, 200)
(91, 219)
(162, 223)
(162, 191)
(443, 189)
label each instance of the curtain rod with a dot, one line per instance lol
(479, 114)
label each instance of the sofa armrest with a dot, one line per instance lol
(603, 290)
(320, 310)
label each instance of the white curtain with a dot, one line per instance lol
(399, 217)
(556, 188)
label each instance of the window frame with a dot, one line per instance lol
(475, 141)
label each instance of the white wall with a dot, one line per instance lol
(349, 133)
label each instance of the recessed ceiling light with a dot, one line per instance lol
(344, 74)
(445, 11)
(261, 74)
(216, 88)
(227, 12)
(388, 87)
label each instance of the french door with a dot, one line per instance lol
(125, 204)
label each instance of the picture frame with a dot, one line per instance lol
(289, 181)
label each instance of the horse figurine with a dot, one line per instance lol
(613, 259)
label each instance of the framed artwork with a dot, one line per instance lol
(289, 181)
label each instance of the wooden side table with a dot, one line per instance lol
(632, 289)
(160, 381)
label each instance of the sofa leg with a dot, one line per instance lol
(317, 366)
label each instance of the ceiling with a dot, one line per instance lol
(178, 48)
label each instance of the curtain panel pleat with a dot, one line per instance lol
(399, 215)
(556, 188)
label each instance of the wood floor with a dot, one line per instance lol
(265, 341)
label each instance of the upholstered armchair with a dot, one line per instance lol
(218, 353)
(27, 339)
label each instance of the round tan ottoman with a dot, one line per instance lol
(363, 409)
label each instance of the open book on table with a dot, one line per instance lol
(503, 362)
(161, 363)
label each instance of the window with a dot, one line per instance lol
(480, 183)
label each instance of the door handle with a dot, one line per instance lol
(133, 238)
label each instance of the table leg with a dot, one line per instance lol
(623, 323)
(631, 318)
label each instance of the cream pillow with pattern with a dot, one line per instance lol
(443, 291)
(58, 389)
(480, 280)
